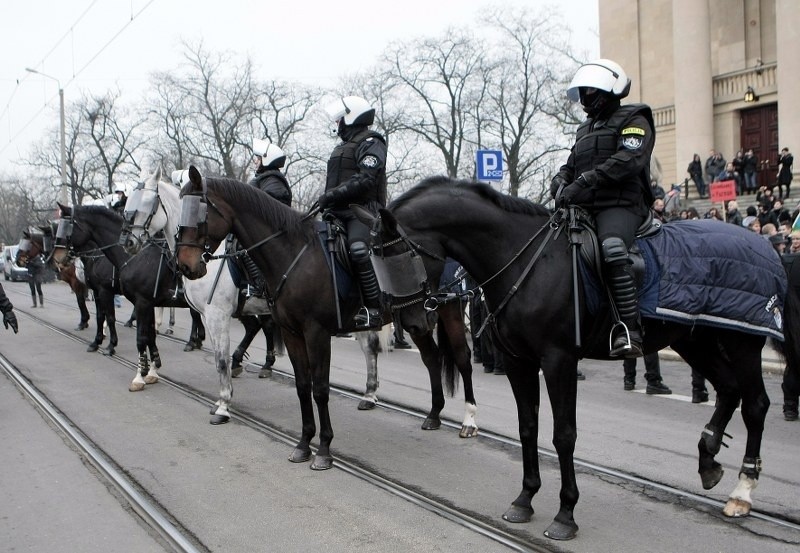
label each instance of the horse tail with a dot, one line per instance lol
(446, 359)
(789, 349)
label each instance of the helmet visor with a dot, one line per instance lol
(591, 75)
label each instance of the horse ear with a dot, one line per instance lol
(195, 178)
(388, 221)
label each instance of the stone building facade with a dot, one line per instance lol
(693, 62)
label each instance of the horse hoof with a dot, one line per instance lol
(265, 373)
(322, 462)
(136, 387)
(518, 514)
(431, 424)
(219, 419)
(236, 371)
(712, 476)
(300, 455)
(188, 347)
(150, 379)
(736, 508)
(468, 432)
(366, 405)
(93, 347)
(560, 531)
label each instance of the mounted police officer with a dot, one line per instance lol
(607, 173)
(268, 160)
(357, 175)
(120, 198)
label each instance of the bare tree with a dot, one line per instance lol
(441, 80)
(525, 94)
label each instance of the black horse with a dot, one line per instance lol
(147, 279)
(520, 253)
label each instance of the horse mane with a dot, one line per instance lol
(505, 202)
(268, 208)
(101, 211)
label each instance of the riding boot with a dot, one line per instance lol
(255, 275)
(33, 297)
(627, 341)
(369, 317)
(41, 300)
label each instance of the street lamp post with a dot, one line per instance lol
(64, 197)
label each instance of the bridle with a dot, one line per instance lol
(142, 200)
(432, 300)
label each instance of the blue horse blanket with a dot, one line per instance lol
(709, 273)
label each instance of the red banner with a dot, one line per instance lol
(723, 191)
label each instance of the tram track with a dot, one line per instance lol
(159, 522)
(508, 539)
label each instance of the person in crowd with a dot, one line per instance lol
(751, 222)
(749, 168)
(781, 213)
(765, 197)
(695, 170)
(729, 173)
(713, 213)
(715, 164)
(357, 175)
(738, 166)
(652, 374)
(657, 190)
(36, 269)
(732, 214)
(658, 210)
(769, 230)
(766, 215)
(778, 242)
(9, 318)
(785, 162)
(791, 384)
(607, 172)
(691, 213)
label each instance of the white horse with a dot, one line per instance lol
(215, 296)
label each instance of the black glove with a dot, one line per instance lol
(577, 194)
(325, 200)
(10, 319)
(557, 182)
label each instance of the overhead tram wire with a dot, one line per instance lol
(77, 73)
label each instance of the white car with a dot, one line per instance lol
(11, 271)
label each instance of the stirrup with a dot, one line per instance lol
(368, 318)
(628, 349)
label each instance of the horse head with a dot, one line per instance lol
(205, 220)
(142, 217)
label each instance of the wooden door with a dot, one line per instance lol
(759, 131)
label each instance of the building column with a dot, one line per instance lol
(694, 98)
(788, 75)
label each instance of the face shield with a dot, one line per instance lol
(193, 211)
(64, 230)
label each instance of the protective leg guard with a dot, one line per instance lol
(255, 275)
(370, 315)
(626, 334)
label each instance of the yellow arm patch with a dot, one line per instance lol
(633, 130)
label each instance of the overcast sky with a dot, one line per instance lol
(94, 45)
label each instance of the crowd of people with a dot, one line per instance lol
(742, 170)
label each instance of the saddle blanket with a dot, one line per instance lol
(710, 273)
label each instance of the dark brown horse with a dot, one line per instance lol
(520, 253)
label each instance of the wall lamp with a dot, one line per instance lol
(750, 95)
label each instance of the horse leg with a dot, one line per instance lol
(100, 317)
(455, 351)
(746, 350)
(298, 355)
(562, 389)
(320, 363)
(81, 299)
(219, 325)
(267, 325)
(155, 356)
(370, 345)
(525, 387)
(432, 359)
(251, 328)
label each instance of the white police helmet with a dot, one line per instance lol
(352, 110)
(119, 188)
(271, 155)
(180, 177)
(601, 74)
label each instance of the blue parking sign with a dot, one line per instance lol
(489, 165)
